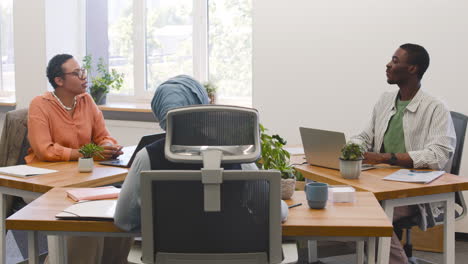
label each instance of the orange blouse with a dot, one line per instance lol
(53, 132)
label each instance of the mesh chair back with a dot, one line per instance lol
(238, 228)
(233, 130)
(174, 220)
(459, 122)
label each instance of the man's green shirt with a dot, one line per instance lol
(394, 139)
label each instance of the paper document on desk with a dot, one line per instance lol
(24, 171)
(90, 210)
(414, 176)
(97, 193)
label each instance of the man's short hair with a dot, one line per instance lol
(54, 68)
(417, 55)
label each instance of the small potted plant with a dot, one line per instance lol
(300, 181)
(277, 158)
(86, 163)
(351, 160)
(211, 89)
(102, 81)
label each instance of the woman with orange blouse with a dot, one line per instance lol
(59, 123)
(62, 121)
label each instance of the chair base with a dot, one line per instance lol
(415, 260)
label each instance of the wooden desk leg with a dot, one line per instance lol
(33, 247)
(312, 248)
(383, 254)
(371, 250)
(2, 228)
(360, 252)
(57, 249)
(449, 230)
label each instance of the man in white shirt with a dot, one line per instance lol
(408, 128)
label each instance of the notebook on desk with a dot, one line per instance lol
(90, 210)
(24, 171)
(126, 159)
(323, 148)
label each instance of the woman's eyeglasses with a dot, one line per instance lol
(81, 73)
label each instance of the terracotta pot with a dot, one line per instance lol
(287, 188)
(85, 165)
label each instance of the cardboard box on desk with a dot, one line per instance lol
(341, 194)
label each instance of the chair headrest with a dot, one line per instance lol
(194, 129)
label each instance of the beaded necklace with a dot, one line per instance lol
(65, 107)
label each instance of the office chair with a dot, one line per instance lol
(460, 123)
(14, 145)
(14, 142)
(211, 215)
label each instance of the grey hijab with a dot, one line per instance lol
(178, 91)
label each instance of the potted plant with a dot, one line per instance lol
(274, 156)
(211, 89)
(351, 160)
(300, 181)
(102, 81)
(86, 163)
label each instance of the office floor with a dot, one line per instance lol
(290, 250)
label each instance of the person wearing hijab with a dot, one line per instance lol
(177, 92)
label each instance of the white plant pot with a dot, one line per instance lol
(287, 188)
(350, 169)
(85, 165)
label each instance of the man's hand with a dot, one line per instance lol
(403, 159)
(111, 151)
(375, 158)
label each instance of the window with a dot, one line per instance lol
(153, 40)
(7, 66)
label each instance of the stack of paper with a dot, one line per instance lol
(24, 170)
(90, 210)
(341, 194)
(414, 176)
(99, 193)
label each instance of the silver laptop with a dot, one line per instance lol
(323, 148)
(129, 153)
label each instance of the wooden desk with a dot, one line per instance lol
(67, 176)
(39, 215)
(393, 194)
(363, 220)
(364, 217)
(372, 181)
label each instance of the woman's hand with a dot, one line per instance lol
(111, 151)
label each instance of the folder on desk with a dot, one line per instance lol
(98, 193)
(416, 176)
(24, 171)
(90, 210)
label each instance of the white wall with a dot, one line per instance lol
(42, 29)
(29, 46)
(65, 28)
(322, 63)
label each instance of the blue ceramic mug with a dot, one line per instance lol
(317, 194)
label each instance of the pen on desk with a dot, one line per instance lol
(295, 205)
